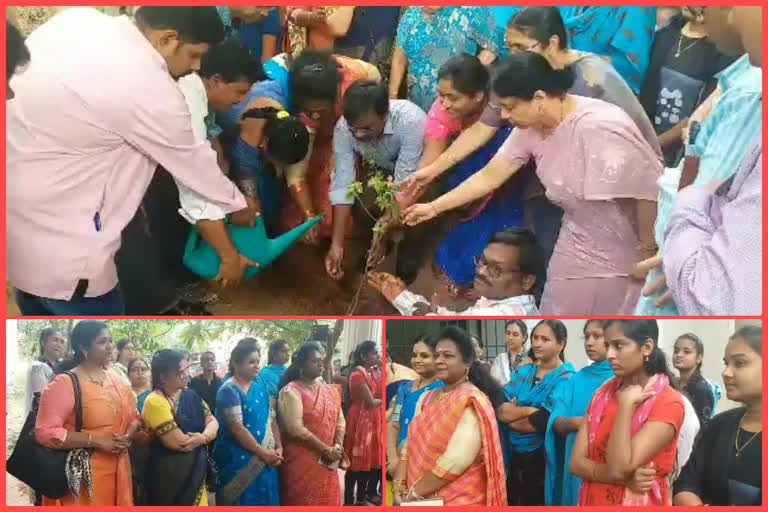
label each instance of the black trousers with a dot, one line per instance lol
(149, 261)
(359, 485)
(525, 478)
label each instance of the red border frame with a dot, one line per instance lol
(3, 506)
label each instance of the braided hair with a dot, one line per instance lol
(287, 138)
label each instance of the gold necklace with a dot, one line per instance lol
(447, 389)
(94, 381)
(736, 441)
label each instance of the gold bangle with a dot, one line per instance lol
(309, 214)
(90, 436)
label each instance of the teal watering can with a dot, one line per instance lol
(251, 242)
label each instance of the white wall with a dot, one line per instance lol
(355, 332)
(713, 333)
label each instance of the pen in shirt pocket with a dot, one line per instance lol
(97, 221)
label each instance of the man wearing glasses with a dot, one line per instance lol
(504, 281)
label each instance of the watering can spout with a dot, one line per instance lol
(251, 242)
(284, 242)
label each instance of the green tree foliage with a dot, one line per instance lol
(29, 334)
(149, 336)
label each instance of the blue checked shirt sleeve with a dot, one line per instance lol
(412, 146)
(344, 164)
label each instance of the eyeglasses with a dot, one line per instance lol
(139, 369)
(517, 48)
(494, 269)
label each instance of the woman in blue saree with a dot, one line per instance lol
(248, 449)
(463, 94)
(623, 35)
(278, 356)
(408, 394)
(245, 129)
(530, 394)
(569, 406)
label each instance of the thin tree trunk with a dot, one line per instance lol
(330, 347)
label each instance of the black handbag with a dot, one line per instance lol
(52, 473)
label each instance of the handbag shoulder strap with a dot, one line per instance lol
(78, 401)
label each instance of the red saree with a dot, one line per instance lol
(484, 483)
(362, 442)
(303, 481)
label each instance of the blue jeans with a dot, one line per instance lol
(110, 304)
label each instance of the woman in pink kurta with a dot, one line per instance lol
(595, 165)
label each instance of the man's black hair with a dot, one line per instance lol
(195, 25)
(232, 61)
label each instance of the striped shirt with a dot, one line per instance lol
(713, 253)
(725, 137)
(521, 305)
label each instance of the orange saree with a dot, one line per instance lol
(107, 410)
(428, 436)
(303, 481)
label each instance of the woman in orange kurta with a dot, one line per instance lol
(313, 429)
(632, 421)
(317, 82)
(110, 419)
(453, 451)
(362, 443)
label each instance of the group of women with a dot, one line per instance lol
(276, 439)
(534, 431)
(567, 77)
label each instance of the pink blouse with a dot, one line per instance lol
(590, 165)
(441, 126)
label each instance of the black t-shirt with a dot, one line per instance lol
(206, 391)
(699, 392)
(681, 74)
(743, 481)
(714, 473)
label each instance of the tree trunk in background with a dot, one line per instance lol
(330, 347)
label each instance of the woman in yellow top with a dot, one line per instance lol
(182, 426)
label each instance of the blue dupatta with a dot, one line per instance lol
(270, 377)
(466, 239)
(140, 400)
(570, 400)
(522, 388)
(501, 15)
(173, 477)
(405, 406)
(230, 457)
(622, 34)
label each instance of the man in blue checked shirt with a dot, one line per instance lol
(388, 135)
